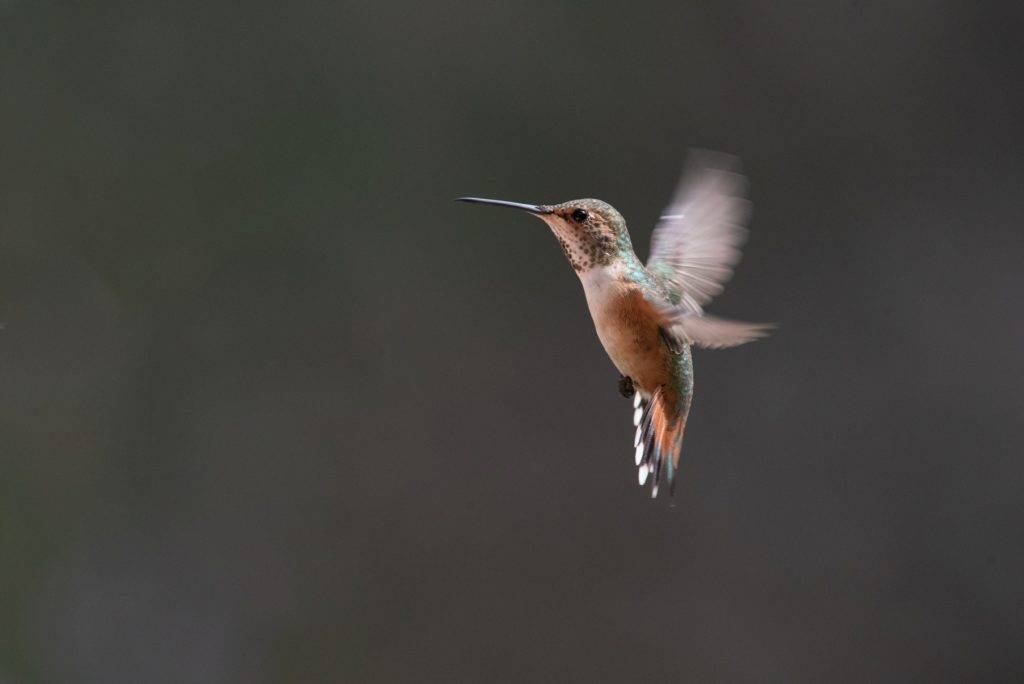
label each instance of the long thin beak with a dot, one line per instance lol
(532, 208)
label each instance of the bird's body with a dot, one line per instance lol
(619, 297)
(625, 323)
(647, 317)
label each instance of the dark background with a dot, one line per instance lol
(273, 408)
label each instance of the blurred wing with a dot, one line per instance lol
(712, 332)
(697, 240)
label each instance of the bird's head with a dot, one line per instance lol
(591, 232)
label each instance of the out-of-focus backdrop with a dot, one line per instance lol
(273, 408)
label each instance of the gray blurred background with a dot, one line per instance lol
(275, 409)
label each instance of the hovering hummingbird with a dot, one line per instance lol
(648, 317)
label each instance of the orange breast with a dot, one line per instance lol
(629, 333)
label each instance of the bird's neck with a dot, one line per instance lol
(619, 265)
(621, 270)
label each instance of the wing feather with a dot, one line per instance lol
(694, 248)
(697, 240)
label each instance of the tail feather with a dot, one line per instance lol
(661, 422)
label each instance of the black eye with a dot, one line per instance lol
(579, 216)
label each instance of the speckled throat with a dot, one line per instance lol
(595, 240)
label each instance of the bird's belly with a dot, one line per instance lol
(628, 333)
(635, 353)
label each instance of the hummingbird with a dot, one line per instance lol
(648, 317)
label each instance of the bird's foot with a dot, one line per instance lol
(626, 388)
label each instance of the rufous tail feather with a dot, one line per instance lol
(661, 422)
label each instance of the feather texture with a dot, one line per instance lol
(661, 437)
(697, 240)
(694, 248)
